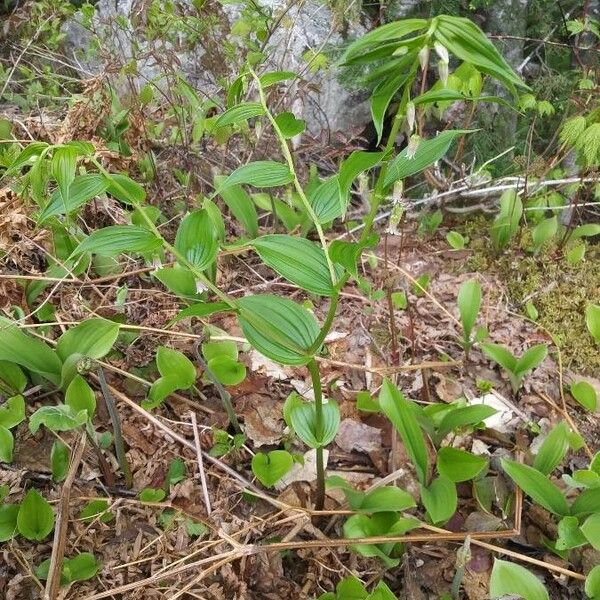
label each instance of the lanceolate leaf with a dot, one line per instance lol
(82, 189)
(381, 98)
(464, 417)
(202, 309)
(466, 41)
(298, 260)
(553, 449)
(196, 239)
(36, 518)
(241, 206)
(402, 415)
(392, 32)
(117, 239)
(427, 153)
(537, 486)
(459, 465)
(93, 338)
(469, 301)
(440, 499)
(262, 174)
(510, 579)
(587, 502)
(240, 113)
(64, 162)
(33, 354)
(278, 328)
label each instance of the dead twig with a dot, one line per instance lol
(200, 461)
(62, 523)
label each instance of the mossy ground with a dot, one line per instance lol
(559, 291)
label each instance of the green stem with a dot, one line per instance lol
(290, 161)
(318, 392)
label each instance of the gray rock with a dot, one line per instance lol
(320, 98)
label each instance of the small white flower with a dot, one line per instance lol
(442, 52)
(200, 287)
(410, 116)
(413, 144)
(395, 218)
(424, 57)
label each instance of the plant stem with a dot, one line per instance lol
(318, 392)
(290, 161)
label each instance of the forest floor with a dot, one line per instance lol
(237, 540)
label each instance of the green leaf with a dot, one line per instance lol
(587, 502)
(464, 417)
(500, 355)
(36, 517)
(585, 230)
(386, 498)
(544, 231)
(381, 97)
(179, 280)
(34, 355)
(7, 445)
(82, 189)
(469, 302)
(592, 320)
(82, 567)
(278, 328)
(172, 363)
(591, 530)
(57, 418)
(298, 260)
(330, 199)
(96, 509)
(456, 240)
(459, 465)
(553, 449)
(227, 370)
(384, 523)
(239, 114)
(12, 412)
(262, 174)
(202, 309)
(225, 348)
(64, 163)
(80, 396)
(270, 468)
(531, 359)
(440, 499)
(196, 239)
(125, 189)
(537, 486)
(119, 239)
(427, 153)
(592, 583)
(93, 338)
(401, 413)
(12, 375)
(241, 206)
(569, 534)
(510, 579)
(303, 418)
(59, 460)
(585, 394)
(152, 495)
(8, 521)
(350, 588)
(392, 32)
(466, 41)
(289, 125)
(176, 472)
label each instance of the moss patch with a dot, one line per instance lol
(559, 291)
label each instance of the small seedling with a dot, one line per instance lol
(517, 368)
(469, 302)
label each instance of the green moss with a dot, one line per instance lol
(559, 291)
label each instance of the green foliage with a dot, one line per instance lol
(270, 468)
(585, 394)
(59, 460)
(82, 567)
(469, 302)
(509, 578)
(177, 373)
(35, 519)
(517, 368)
(592, 321)
(458, 465)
